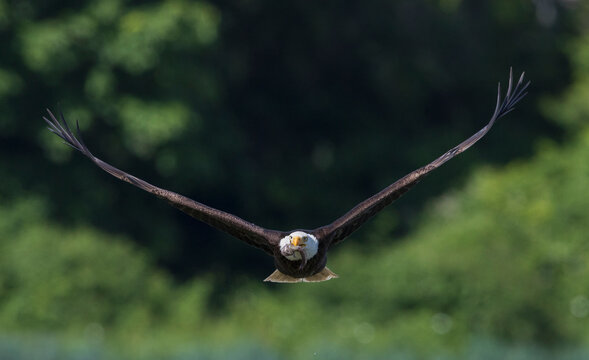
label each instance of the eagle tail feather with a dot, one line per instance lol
(323, 275)
(279, 277)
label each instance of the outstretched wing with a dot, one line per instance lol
(353, 219)
(231, 224)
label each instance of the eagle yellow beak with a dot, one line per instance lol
(295, 240)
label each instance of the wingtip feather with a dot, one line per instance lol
(60, 127)
(512, 96)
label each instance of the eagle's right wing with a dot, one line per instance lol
(252, 234)
(353, 219)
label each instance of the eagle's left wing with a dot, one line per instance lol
(353, 219)
(250, 233)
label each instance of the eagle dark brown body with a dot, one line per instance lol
(276, 243)
(296, 269)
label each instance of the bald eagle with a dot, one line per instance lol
(299, 255)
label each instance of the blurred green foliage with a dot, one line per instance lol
(86, 277)
(288, 113)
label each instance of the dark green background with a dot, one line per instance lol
(288, 113)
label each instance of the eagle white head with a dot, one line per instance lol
(299, 246)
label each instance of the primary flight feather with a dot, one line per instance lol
(299, 255)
